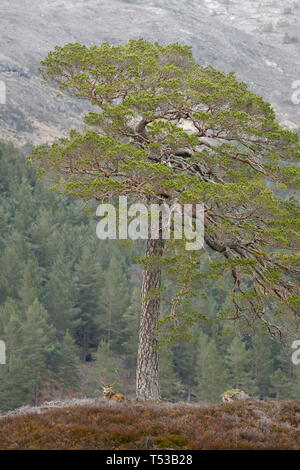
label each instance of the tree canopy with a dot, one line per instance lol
(166, 129)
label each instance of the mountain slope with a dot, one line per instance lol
(227, 34)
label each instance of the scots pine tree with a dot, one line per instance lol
(166, 129)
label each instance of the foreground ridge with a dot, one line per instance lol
(95, 424)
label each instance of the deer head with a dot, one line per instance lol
(107, 389)
(109, 393)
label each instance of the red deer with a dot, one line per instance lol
(110, 394)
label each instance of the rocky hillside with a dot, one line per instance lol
(257, 38)
(88, 424)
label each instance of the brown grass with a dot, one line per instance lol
(241, 425)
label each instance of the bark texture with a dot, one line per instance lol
(147, 386)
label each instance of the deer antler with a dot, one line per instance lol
(104, 385)
(111, 385)
(101, 381)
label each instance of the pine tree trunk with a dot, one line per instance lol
(147, 387)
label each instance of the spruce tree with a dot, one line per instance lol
(42, 233)
(185, 360)
(105, 371)
(238, 363)
(261, 364)
(30, 284)
(14, 388)
(170, 386)
(130, 331)
(38, 338)
(115, 301)
(281, 385)
(10, 272)
(106, 363)
(88, 299)
(24, 214)
(60, 298)
(211, 374)
(68, 366)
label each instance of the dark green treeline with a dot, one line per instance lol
(69, 311)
